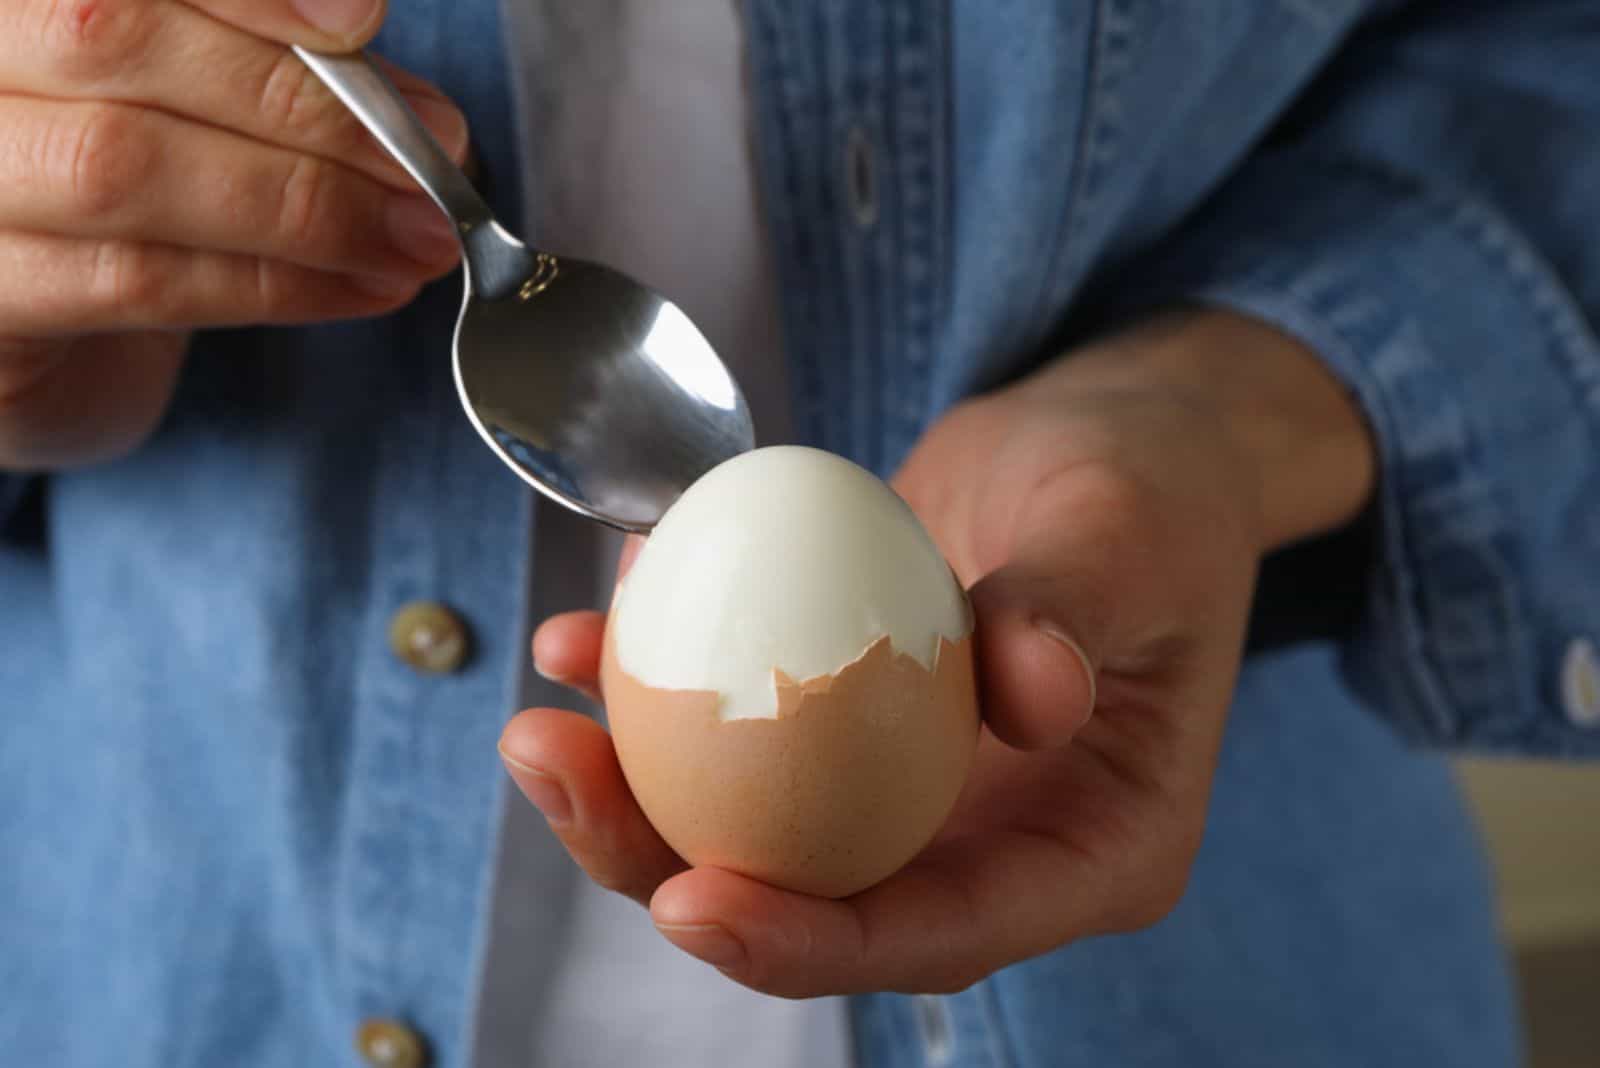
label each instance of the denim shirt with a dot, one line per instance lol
(234, 825)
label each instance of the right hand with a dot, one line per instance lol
(168, 165)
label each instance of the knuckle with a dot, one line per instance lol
(294, 102)
(127, 278)
(103, 158)
(305, 201)
(1113, 490)
(275, 291)
(85, 40)
(1124, 508)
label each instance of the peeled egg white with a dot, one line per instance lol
(788, 675)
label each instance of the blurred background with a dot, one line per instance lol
(1542, 822)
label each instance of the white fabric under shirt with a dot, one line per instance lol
(642, 159)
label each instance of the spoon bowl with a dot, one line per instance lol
(597, 391)
(619, 434)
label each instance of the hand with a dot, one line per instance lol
(1110, 516)
(171, 165)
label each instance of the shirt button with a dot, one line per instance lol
(1580, 683)
(429, 637)
(390, 1044)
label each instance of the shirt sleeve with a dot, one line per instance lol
(1428, 221)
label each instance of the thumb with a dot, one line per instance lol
(1042, 626)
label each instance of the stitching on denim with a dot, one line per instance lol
(845, 324)
(1099, 80)
(1568, 345)
(1574, 347)
(919, 73)
(1500, 726)
(1504, 248)
(1103, 120)
(781, 193)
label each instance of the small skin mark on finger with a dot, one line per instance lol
(84, 16)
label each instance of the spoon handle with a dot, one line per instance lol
(498, 263)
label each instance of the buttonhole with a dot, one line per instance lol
(861, 176)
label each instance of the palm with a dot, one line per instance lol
(1071, 823)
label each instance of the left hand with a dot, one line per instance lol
(1109, 516)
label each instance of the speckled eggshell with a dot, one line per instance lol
(854, 776)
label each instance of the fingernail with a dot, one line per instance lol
(341, 18)
(1056, 633)
(444, 120)
(543, 789)
(384, 287)
(711, 942)
(420, 230)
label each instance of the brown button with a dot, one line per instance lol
(429, 637)
(390, 1044)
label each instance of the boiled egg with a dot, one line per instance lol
(788, 675)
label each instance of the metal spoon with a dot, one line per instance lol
(599, 392)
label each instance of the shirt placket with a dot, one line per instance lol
(853, 148)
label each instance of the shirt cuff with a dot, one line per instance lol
(1481, 383)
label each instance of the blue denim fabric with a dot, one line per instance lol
(233, 825)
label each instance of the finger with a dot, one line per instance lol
(113, 171)
(1049, 617)
(100, 29)
(333, 25)
(566, 650)
(566, 765)
(52, 286)
(83, 400)
(567, 647)
(156, 54)
(1036, 680)
(631, 547)
(959, 912)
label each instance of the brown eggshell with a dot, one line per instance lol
(852, 779)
